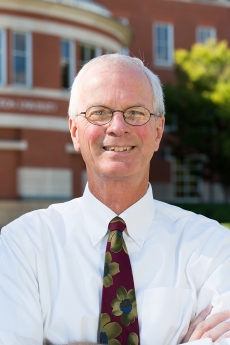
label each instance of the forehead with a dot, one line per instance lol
(110, 83)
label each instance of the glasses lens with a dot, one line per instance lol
(137, 116)
(98, 115)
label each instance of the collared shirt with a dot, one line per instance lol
(51, 270)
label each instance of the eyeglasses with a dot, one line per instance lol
(100, 115)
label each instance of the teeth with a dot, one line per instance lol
(118, 148)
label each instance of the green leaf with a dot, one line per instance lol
(126, 319)
(104, 319)
(114, 268)
(108, 258)
(198, 106)
(108, 281)
(116, 243)
(116, 307)
(121, 293)
(134, 309)
(111, 234)
(131, 295)
(114, 342)
(133, 339)
(112, 329)
(124, 247)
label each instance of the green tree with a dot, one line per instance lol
(200, 100)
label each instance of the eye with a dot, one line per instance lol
(135, 112)
(97, 111)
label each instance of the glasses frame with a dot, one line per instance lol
(115, 111)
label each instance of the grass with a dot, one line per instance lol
(227, 225)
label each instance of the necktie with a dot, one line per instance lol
(118, 322)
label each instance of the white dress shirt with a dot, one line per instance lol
(51, 269)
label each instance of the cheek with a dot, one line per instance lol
(147, 135)
(89, 136)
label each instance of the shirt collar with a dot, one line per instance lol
(137, 217)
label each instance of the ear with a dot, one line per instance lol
(160, 124)
(74, 134)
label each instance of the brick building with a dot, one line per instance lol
(160, 27)
(43, 43)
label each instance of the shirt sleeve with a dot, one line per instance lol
(215, 290)
(207, 341)
(20, 311)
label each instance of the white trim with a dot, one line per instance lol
(126, 51)
(28, 58)
(70, 149)
(34, 92)
(71, 61)
(87, 6)
(3, 55)
(41, 183)
(98, 51)
(212, 32)
(79, 16)
(62, 30)
(13, 145)
(220, 3)
(38, 122)
(170, 44)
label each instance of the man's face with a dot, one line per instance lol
(117, 88)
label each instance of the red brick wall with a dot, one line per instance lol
(185, 16)
(45, 149)
(77, 166)
(8, 166)
(46, 61)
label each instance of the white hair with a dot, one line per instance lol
(118, 59)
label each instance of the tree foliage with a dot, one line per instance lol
(200, 100)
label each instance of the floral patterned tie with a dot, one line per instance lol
(118, 322)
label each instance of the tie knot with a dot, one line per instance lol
(117, 223)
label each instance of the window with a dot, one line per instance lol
(2, 57)
(22, 59)
(186, 180)
(205, 33)
(163, 44)
(87, 53)
(125, 51)
(67, 63)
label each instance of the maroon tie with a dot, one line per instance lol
(118, 323)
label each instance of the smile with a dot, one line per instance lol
(118, 148)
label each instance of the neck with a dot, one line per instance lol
(118, 195)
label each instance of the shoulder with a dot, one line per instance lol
(191, 226)
(43, 222)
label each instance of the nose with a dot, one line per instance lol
(117, 125)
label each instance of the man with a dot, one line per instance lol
(52, 261)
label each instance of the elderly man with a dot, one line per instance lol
(115, 266)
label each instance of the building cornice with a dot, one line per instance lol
(13, 145)
(35, 92)
(220, 3)
(85, 5)
(35, 122)
(51, 9)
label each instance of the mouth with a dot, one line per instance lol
(118, 148)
